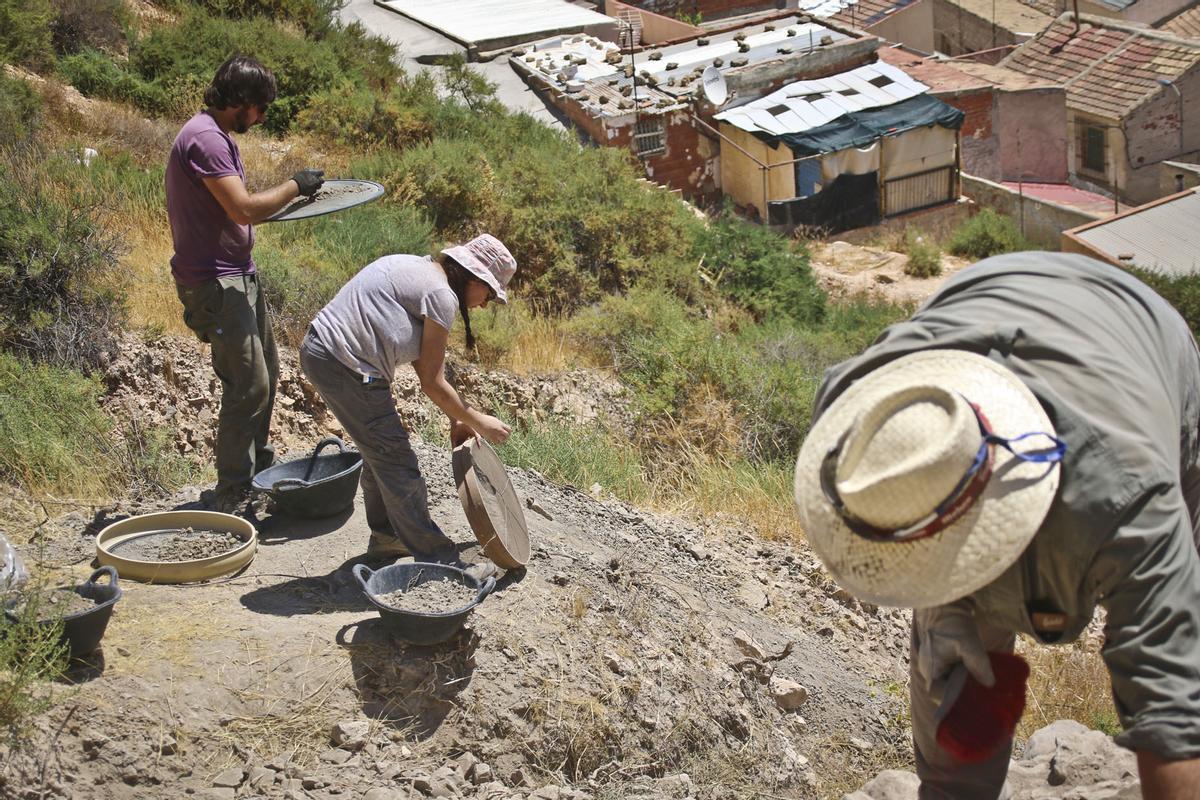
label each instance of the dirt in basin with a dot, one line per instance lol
(433, 597)
(183, 544)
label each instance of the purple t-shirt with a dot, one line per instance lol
(208, 244)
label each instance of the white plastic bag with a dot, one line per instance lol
(12, 569)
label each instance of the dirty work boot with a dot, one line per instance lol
(231, 500)
(381, 545)
(482, 571)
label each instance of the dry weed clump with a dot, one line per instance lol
(1067, 682)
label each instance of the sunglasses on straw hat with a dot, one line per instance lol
(961, 497)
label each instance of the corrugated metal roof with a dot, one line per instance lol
(803, 105)
(491, 20)
(1162, 236)
(1107, 71)
(855, 13)
(1117, 5)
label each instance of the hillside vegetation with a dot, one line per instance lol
(717, 327)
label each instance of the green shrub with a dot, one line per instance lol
(82, 24)
(20, 106)
(988, 233)
(60, 290)
(1181, 291)
(760, 270)
(358, 116)
(95, 74)
(578, 456)
(191, 51)
(31, 653)
(303, 264)
(314, 16)
(53, 435)
(25, 37)
(924, 256)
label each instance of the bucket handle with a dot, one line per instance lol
(108, 570)
(363, 573)
(321, 445)
(488, 587)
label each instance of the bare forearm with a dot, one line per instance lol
(445, 397)
(261, 205)
(1168, 780)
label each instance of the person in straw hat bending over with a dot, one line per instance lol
(399, 309)
(1026, 447)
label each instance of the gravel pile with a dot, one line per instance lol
(185, 544)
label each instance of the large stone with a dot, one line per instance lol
(230, 778)
(891, 784)
(350, 734)
(788, 695)
(1067, 760)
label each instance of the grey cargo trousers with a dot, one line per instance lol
(395, 497)
(231, 315)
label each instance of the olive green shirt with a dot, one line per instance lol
(1117, 371)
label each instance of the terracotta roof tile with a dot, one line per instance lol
(1107, 71)
(1186, 24)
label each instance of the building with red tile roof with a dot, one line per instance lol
(1128, 90)
(1015, 125)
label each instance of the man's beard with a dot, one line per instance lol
(241, 122)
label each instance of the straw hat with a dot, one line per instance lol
(900, 442)
(488, 259)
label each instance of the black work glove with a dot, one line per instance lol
(309, 180)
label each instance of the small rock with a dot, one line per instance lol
(616, 663)
(465, 763)
(279, 762)
(861, 744)
(753, 596)
(312, 782)
(336, 756)
(596, 490)
(788, 695)
(350, 734)
(536, 508)
(482, 773)
(891, 784)
(560, 579)
(123, 652)
(699, 553)
(748, 646)
(380, 793)
(168, 746)
(550, 792)
(260, 777)
(230, 778)
(217, 793)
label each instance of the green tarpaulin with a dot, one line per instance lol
(860, 128)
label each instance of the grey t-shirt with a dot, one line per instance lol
(374, 323)
(1117, 371)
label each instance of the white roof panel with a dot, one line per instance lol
(832, 103)
(1163, 237)
(482, 22)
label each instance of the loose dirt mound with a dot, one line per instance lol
(639, 656)
(848, 270)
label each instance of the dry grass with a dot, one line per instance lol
(519, 339)
(1068, 682)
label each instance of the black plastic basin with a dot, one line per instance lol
(414, 626)
(83, 630)
(316, 486)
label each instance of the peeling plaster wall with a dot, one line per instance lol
(957, 31)
(1032, 130)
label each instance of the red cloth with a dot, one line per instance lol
(982, 719)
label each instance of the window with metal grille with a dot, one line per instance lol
(1091, 148)
(649, 136)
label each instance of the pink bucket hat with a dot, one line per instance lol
(488, 259)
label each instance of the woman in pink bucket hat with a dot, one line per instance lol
(399, 309)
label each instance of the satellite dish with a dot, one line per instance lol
(712, 82)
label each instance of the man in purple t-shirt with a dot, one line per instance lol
(212, 216)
